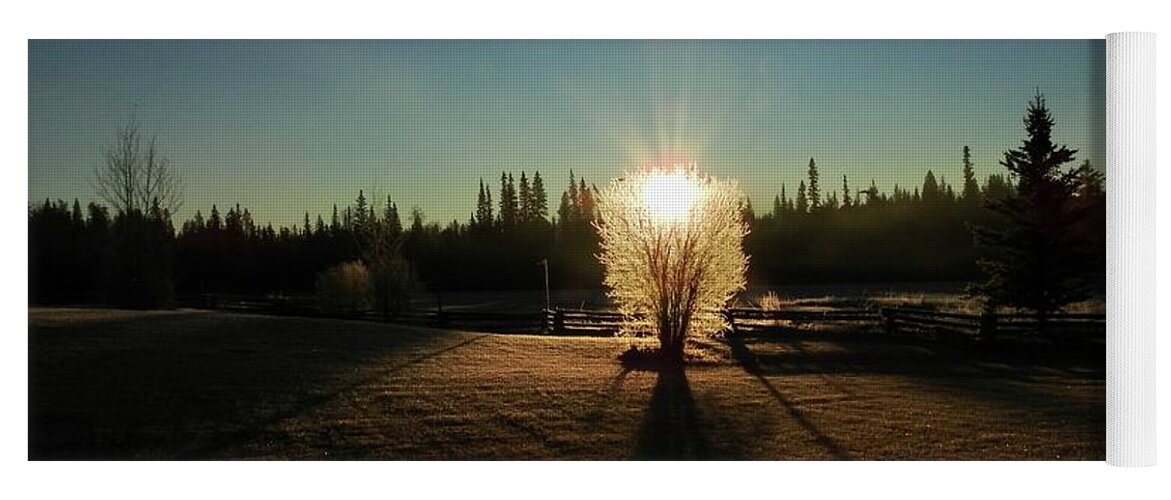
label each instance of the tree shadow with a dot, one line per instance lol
(196, 386)
(751, 364)
(671, 429)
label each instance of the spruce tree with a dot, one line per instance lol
(931, 191)
(573, 194)
(508, 202)
(585, 198)
(526, 200)
(540, 200)
(971, 193)
(76, 217)
(814, 191)
(484, 207)
(394, 225)
(564, 210)
(747, 211)
(1034, 261)
(361, 215)
(214, 223)
(802, 200)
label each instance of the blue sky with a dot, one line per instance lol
(285, 127)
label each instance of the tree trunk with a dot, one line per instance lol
(671, 345)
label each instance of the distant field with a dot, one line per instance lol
(202, 385)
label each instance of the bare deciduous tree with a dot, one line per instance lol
(672, 252)
(135, 175)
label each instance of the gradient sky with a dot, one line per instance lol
(284, 127)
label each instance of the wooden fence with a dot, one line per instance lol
(991, 327)
(1057, 328)
(581, 322)
(761, 321)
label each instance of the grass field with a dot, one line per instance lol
(202, 385)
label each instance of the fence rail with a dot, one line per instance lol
(990, 327)
(1056, 328)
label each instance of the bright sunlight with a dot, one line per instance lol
(670, 195)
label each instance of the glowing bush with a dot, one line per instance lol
(672, 253)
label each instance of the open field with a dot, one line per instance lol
(202, 385)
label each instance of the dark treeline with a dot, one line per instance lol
(857, 235)
(501, 246)
(921, 233)
(917, 234)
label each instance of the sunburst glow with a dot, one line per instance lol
(671, 195)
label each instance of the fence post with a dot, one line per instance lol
(731, 322)
(558, 321)
(988, 322)
(889, 321)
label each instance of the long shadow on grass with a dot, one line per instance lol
(259, 429)
(1020, 381)
(751, 364)
(671, 430)
(197, 387)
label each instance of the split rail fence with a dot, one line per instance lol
(913, 321)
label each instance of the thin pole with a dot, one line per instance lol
(548, 304)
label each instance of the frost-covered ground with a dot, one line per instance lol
(188, 384)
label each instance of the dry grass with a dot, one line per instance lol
(957, 303)
(211, 385)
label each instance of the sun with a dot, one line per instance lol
(670, 195)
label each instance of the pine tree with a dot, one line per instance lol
(394, 225)
(306, 228)
(871, 192)
(573, 194)
(197, 223)
(540, 199)
(361, 214)
(778, 207)
(971, 194)
(564, 210)
(232, 223)
(1034, 262)
(484, 217)
(214, 223)
(508, 202)
(585, 200)
(75, 216)
(526, 200)
(931, 190)
(802, 201)
(814, 191)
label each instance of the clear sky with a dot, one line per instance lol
(285, 127)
